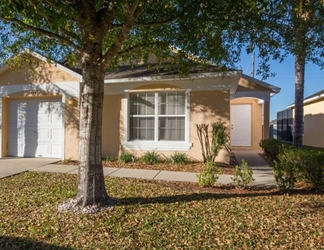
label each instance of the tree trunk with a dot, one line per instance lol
(91, 189)
(299, 100)
(92, 195)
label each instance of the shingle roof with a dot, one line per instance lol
(314, 95)
(310, 98)
(144, 70)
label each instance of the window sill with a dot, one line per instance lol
(157, 145)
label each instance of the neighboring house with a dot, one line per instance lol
(142, 110)
(313, 120)
(285, 125)
(273, 129)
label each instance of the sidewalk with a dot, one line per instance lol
(262, 172)
(14, 165)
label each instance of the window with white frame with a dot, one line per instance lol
(157, 116)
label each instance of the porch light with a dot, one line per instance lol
(70, 101)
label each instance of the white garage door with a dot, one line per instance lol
(35, 128)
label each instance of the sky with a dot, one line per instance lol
(285, 79)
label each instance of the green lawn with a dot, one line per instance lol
(157, 215)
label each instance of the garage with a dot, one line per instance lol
(35, 128)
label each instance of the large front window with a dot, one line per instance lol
(157, 116)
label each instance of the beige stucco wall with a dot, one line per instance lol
(112, 125)
(42, 72)
(4, 127)
(245, 85)
(71, 131)
(256, 116)
(313, 124)
(205, 107)
(208, 107)
(266, 120)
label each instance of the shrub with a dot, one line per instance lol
(150, 157)
(299, 164)
(110, 158)
(126, 157)
(286, 168)
(179, 158)
(70, 161)
(219, 138)
(210, 175)
(271, 148)
(312, 167)
(243, 175)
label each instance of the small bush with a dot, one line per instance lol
(126, 157)
(179, 158)
(210, 175)
(70, 161)
(150, 157)
(312, 167)
(243, 175)
(286, 168)
(299, 164)
(271, 148)
(110, 158)
(219, 138)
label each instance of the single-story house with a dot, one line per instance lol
(143, 110)
(313, 121)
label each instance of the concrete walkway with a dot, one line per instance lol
(15, 165)
(262, 172)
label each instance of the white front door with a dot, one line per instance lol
(241, 125)
(35, 128)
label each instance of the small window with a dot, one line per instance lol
(157, 116)
(142, 112)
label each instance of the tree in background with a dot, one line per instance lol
(102, 33)
(294, 27)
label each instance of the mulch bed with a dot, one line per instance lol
(194, 167)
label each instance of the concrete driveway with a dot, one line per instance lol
(15, 165)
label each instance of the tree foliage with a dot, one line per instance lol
(290, 27)
(124, 29)
(98, 34)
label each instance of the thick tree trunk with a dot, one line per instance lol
(299, 100)
(91, 189)
(92, 195)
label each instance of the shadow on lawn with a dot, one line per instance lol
(16, 243)
(182, 198)
(204, 196)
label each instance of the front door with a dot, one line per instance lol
(241, 125)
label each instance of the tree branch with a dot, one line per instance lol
(52, 4)
(50, 20)
(159, 22)
(144, 45)
(150, 24)
(107, 17)
(88, 8)
(71, 34)
(133, 13)
(46, 17)
(42, 31)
